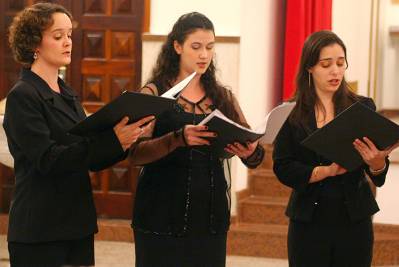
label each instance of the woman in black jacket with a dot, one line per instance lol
(330, 208)
(52, 218)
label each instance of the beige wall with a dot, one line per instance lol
(225, 14)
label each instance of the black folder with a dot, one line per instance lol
(132, 104)
(334, 141)
(228, 132)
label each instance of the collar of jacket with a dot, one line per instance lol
(45, 91)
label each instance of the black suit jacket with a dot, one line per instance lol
(52, 198)
(293, 166)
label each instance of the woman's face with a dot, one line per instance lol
(56, 45)
(329, 71)
(196, 53)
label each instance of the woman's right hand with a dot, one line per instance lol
(321, 172)
(195, 135)
(129, 133)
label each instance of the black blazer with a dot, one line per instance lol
(52, 198)
(293, 166)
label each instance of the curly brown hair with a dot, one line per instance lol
(25, 31)
(167, 66)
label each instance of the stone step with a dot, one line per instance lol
(114, 230)
(264, 183)
(262, 210)
(267, 162)
(262, 240)
(258, 240)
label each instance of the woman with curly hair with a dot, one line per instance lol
(182, 209)
(52, 218)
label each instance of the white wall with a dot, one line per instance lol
(388, 80)
(260, 63)
(225, 14)
(387, 198)
(389, 56)
(351, 22)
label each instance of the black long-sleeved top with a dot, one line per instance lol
(174, 176)
(293, 166)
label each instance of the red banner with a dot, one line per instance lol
(303, 17)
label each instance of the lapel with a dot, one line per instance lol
(49, 96)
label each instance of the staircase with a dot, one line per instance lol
(260, 228)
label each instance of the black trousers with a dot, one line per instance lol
(331, 239)
(53, 254)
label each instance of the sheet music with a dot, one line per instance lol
(172, 92)
(274, 121)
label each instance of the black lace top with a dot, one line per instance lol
(182, 190)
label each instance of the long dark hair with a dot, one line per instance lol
(167, 66)
(305, 94)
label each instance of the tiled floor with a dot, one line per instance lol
(121, 254)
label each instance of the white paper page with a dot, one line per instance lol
(274, 121)
(178, 87)
(219, 114)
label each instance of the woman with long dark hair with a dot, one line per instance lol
(330, 208)
(182, 209)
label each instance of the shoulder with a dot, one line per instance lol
(22, 89)
(367, 101)
(149, 89)
(228, 94)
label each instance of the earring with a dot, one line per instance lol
(35, 55)
(309, 79)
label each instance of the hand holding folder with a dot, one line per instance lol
(131, 104)
(335, 140)
(229, 132)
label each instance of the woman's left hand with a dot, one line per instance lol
(241, 150)
(371, 155)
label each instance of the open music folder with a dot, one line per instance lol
(132, 104)
(229, 131)
(334, 141)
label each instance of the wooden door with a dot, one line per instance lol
(106, 59)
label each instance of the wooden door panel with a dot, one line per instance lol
(109, 63)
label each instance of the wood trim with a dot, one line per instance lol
(242, 194)
(3, 224)
(389, 113)
(353, 85)
(394, 30)
(233, 219)
(386, 228)
(147, 16)
(148, 37)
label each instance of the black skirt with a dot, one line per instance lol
(188, 251)
(198, 247)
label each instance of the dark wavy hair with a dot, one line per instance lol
(25, 31)
(305, 94)
(167, 66)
